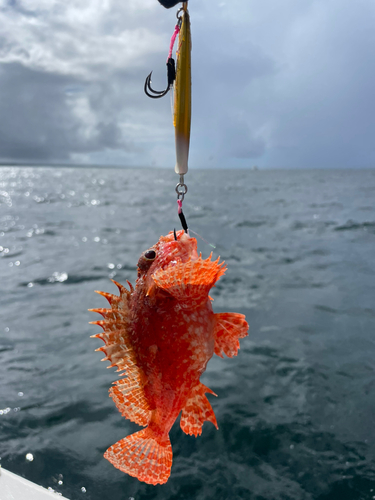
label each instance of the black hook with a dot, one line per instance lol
(171, 75)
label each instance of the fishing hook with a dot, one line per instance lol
(171, 75)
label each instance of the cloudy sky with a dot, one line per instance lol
(275, 84)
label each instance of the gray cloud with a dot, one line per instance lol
(241, 144)
(286, 84)
(43, 120)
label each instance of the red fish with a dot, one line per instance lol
(163, 333)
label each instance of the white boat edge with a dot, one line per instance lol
(13, 487)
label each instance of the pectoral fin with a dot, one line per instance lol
(127, 393)
(228, 329)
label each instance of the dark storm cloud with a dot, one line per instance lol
(35, 123)
(38, 124)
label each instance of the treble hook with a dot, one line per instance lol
(171, 75)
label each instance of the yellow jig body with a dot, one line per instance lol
(182, 94)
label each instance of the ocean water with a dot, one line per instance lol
(296, 408)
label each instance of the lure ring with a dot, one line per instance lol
(179, 17)
(181, 190)
(181, 9)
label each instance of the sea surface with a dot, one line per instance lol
(295, 408)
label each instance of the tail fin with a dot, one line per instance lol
(142, 456)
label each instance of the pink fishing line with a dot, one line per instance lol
(179, 203)
(176, 32)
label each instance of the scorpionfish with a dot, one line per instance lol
(162, 333)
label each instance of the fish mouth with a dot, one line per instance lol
(179, 247)
(180, 244)
(187, 246)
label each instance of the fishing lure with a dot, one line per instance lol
(182, 95)
(179, 79)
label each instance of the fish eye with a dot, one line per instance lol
(150, 255)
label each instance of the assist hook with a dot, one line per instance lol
(171, 66)
(171, 74)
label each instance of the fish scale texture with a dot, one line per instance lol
(160, 336)
(129, 398)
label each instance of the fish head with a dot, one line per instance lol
(169, 250)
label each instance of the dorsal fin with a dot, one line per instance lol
(128, 393)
